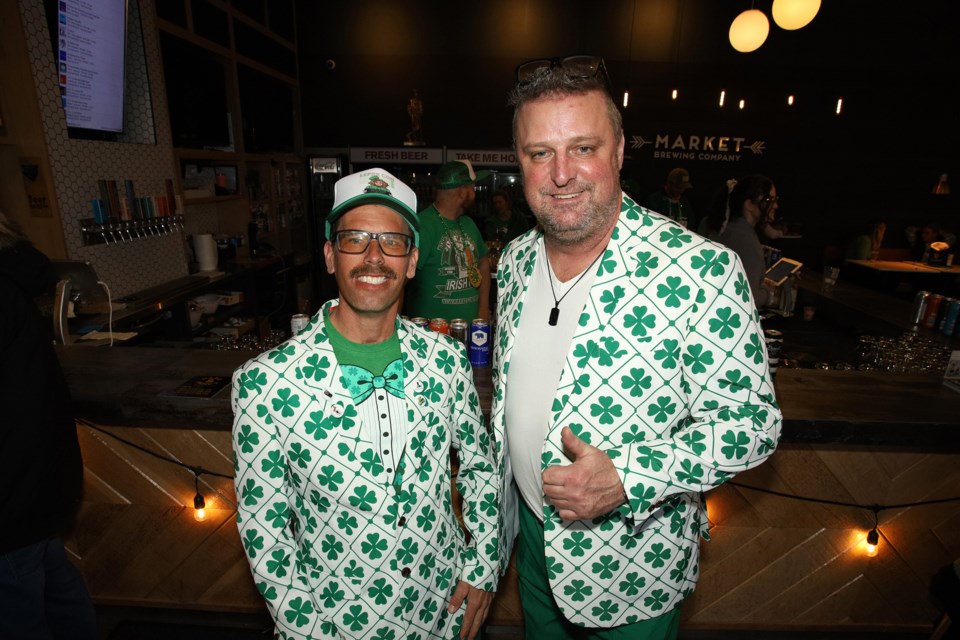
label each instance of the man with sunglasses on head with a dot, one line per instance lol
(342, 438)
(629, 376)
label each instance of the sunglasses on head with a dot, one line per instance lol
(575, 67)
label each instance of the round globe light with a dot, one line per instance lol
(749, 30)
(794, 14)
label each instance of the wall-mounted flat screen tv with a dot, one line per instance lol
(89, 42)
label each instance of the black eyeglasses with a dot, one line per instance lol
(576, 68)
(356, 241)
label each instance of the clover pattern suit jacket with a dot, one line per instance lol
(335, 548)
(667, 373)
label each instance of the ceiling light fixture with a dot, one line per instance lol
(794, 14)
(749, 30)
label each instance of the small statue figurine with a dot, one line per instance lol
(414, 137)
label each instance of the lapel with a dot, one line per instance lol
(614, 286)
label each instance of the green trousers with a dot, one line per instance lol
(542, 618)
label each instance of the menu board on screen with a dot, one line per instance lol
(90, 57)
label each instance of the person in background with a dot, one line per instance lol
(612, 406)
(921, 240)
(671, 199)
(769, 227)
(453, 270)
(42, 595)
(342, 438)
(735, 217)
(866, 244)
(505, 224)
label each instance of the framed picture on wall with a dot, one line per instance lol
(226, 180)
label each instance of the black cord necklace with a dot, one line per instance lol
(555, 312)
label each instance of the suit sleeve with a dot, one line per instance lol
(732, 421)
(265, 502)
(478, 481)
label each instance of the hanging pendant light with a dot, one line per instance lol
(794, 14)
(749, 30)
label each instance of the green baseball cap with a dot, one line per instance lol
(458, 173)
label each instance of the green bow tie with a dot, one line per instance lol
(361, 382)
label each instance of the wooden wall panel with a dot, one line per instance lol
(137, 541)
(772, 563)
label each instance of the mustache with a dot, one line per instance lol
(367, 270)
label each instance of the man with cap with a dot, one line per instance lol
(342, 439)
(453, 270)
(671, 200)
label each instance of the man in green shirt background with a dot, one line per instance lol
(453, 270)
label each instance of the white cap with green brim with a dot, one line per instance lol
(374, 186)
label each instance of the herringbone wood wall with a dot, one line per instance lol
(772, 562)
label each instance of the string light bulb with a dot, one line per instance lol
(790, 100)
(673, 94)
(626, 99)
(723, 96)
(199, 508)
(199, 504)
(743, 103)
(873, 541)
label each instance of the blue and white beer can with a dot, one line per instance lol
(479, 343)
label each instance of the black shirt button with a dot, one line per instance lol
(402, 521)
(406, 572)
(379, 397)
(386, 434)
(383, 415)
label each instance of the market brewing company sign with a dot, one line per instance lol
(698, 147)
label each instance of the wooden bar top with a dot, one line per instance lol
(131, 386)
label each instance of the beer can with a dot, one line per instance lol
(297, 322)
(479, 343)
(774, 342)
(919, 307)
(950, 315)
(421, 322)
(458, 329)
(440, 325)
(933, 308)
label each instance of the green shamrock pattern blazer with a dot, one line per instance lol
(340, 545)
(667, 373)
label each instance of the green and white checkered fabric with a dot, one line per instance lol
(335, 548)
(667, 373)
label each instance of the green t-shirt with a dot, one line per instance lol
(449, 251)
(372, 357)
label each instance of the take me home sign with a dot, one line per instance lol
(694, 147)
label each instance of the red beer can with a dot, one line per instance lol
(933, 308)
(440, 325)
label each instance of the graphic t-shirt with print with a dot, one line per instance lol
(447, 284)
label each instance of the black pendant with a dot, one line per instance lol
(554, 315)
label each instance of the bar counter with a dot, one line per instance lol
(132, 387)
(773, 562)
